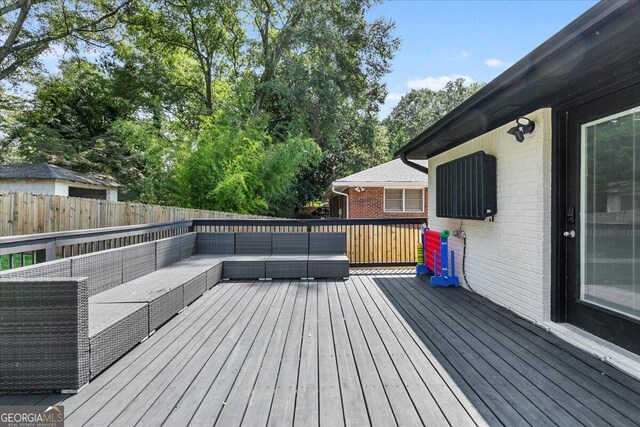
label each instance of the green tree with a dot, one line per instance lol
(88, 120)
(419, 109)
(320, 66)
(240, 170)
(31, 27)
(245, 105)
(207, 34)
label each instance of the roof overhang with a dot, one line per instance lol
(405, 184)
(599, 52)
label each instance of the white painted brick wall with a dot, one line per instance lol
(509, 260)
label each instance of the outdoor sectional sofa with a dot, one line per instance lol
(65, 321)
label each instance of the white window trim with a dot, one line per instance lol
(404, 210)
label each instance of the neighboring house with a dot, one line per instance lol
(389, 190)
(54, 180)
(558, 250)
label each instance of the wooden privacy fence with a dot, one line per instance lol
(370, 242)
(23, 213)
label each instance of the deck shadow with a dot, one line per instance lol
(512, 371)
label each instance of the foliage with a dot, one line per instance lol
(419, 109)
(31, 27)
(241, 105)
(240, 170)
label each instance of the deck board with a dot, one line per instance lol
(584, 365)
(429, 393)
(380, 349)
(353, 402)
(246, 355)
(532, 386)
(284, 398)
(236, 402)
(307, 396)
(584, 398)
(331, 413)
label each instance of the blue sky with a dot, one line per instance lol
(476, 39)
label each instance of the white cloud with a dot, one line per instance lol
(437, 83)
(495, 63)
(464, 54)
(394, 96)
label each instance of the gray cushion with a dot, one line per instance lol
(103, 269)
(216, 243)
(327, 243)
(253, 243)
(290, 243)
(138, 260)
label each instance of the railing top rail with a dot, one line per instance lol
(37, 241)
(94, 232)
(305, 222)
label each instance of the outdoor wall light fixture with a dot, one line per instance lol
(523, 127)
(359, 189)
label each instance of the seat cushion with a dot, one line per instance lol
(114, 329)
(163, 289)
(286, 267)
(328, 258)
(328, 266)
(153, 285)
(245, 267)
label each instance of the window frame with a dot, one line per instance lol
(404, 199)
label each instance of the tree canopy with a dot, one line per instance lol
(241, 105)
(420, 108)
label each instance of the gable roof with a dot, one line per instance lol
(46, 171)
(393, 173)
(597, 52)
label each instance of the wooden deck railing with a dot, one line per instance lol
(370, 242)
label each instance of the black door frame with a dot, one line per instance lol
(607, 324)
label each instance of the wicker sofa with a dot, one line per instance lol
(278, 255)
(65, 321)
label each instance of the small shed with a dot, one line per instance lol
(389, 190)
(54, 180)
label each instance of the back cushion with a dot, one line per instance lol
(216, 243)
(290, 243)
(253, 243)
(138, 260)
(327, 243)
(103, 269)
(187, 245)
(167, 252)
(57, 268)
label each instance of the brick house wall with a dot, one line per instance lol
(370, 204)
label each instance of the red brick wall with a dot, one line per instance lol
(370, 204)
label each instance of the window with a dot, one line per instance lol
(403, 200)
(87, 193)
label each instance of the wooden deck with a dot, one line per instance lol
(377, 349)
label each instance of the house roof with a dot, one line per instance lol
(393, 173)
(45, 171)
(596, 53)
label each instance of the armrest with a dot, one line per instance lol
(44, 334)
